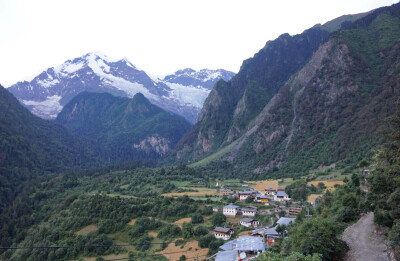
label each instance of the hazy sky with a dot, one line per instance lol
(158, 36)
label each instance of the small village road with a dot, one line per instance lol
(364, 244)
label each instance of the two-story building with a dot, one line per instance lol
(281, 196)
(270, 191)
(243, 195)
(225, 192)
(224, 233)
(249, 211)
(262, 199)
(230, 210)
(249, 222)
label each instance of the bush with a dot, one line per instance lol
(197, 218)
(218, 219)
(206, 240)
(169, 232)
(200, 231)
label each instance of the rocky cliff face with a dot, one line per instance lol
(319, 110)
(232, 105)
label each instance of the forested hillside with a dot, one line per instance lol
(31, 147)
(124, 129)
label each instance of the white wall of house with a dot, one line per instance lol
(222, 236)
(229, 211)
(246, 224)
(281, 198)
(249, 213)
(243, 197)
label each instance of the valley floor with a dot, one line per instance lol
(364, 244)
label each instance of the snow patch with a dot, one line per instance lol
(48, 108)
(48, 82)
(194, 95)
(68, 68)
(212, 75)
(102, 56)
(155, 78)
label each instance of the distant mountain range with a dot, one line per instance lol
(182, 93)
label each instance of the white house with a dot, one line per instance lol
(269, 191)
(281, 196)
(224, 233)
(230, 210)
(243, 195)
(249, 211)
(249, 222)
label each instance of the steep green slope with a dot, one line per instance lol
(31, 148)
(28, 142)
(327, 111)
(232, 105)
(332, 109)
(125, 129)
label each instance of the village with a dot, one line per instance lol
(249, 217)
(248, 214)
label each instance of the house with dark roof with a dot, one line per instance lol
(270, 191)
(224, 233)
(262, 199)
(225, 192)
(249, 211)
(243, 195)
(249, 222)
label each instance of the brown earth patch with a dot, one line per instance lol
(261, 185)
(153, 234)
(182, 220)
(132, 222)
(330, 185)
(191, 250)
(201, 191)
(86, 230)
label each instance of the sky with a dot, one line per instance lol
(157, 36)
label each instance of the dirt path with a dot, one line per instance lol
(364, 244)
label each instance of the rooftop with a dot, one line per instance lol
(245, 243)
(285, 221)
(246, 192)
(222, 229)
(226, 255)
(247, 220)
(249, 209)
(231, 206)
(281, 194)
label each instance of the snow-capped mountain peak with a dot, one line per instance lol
(203, 77)
(182, 93)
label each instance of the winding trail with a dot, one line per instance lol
(364, 244)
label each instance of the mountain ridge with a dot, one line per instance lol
(316, 116)
(132, 128)
(182, 93)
